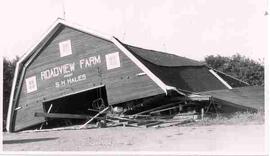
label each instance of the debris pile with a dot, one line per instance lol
(171, 114)
(146, 121)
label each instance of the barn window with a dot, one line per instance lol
(65, 48)
(31, 84)
(112, 60)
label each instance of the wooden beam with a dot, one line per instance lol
(186, 114)
(93, 110)
(153, 109)
(162, 110)
(199, 97)
(60, 115)
(120, 118)
(49, 110)
(153, 124)
(94, 117)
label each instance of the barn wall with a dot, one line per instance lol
(86, 67)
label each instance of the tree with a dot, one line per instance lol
(8, 74)
(238, 66)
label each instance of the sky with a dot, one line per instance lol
(189, 28)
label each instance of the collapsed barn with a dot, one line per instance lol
(75, 73)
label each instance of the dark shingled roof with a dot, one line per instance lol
(180, 72)
(249, 97)
(162, 59)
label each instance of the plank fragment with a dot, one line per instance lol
(94, 117)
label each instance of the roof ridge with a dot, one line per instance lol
(162, 58)
(154, 50)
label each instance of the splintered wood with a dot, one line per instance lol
(146, 118)
(149, 120)
(94, 117)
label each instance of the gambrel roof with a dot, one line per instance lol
(168, 71)
(28, 57)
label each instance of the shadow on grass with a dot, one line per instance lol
(21, 141)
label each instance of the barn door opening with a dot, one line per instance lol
(75, 108)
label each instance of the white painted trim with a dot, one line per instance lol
(10, 107)
(38, 42)
(220, 79)
(175, 89)
(197, 97)
(162, 85)
(230, 76)
(140, 74)
(18, 108)
(69, 24)
(15, 79)
(11, 101)
(84, 29)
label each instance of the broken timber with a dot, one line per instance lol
(60, 115)
(94, 117)
(162, 110)
(157, 108)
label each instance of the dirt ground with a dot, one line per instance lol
(224, 139)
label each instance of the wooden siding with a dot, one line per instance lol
(122, 83)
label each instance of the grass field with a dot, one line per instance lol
(239, 118)
(239, 133)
